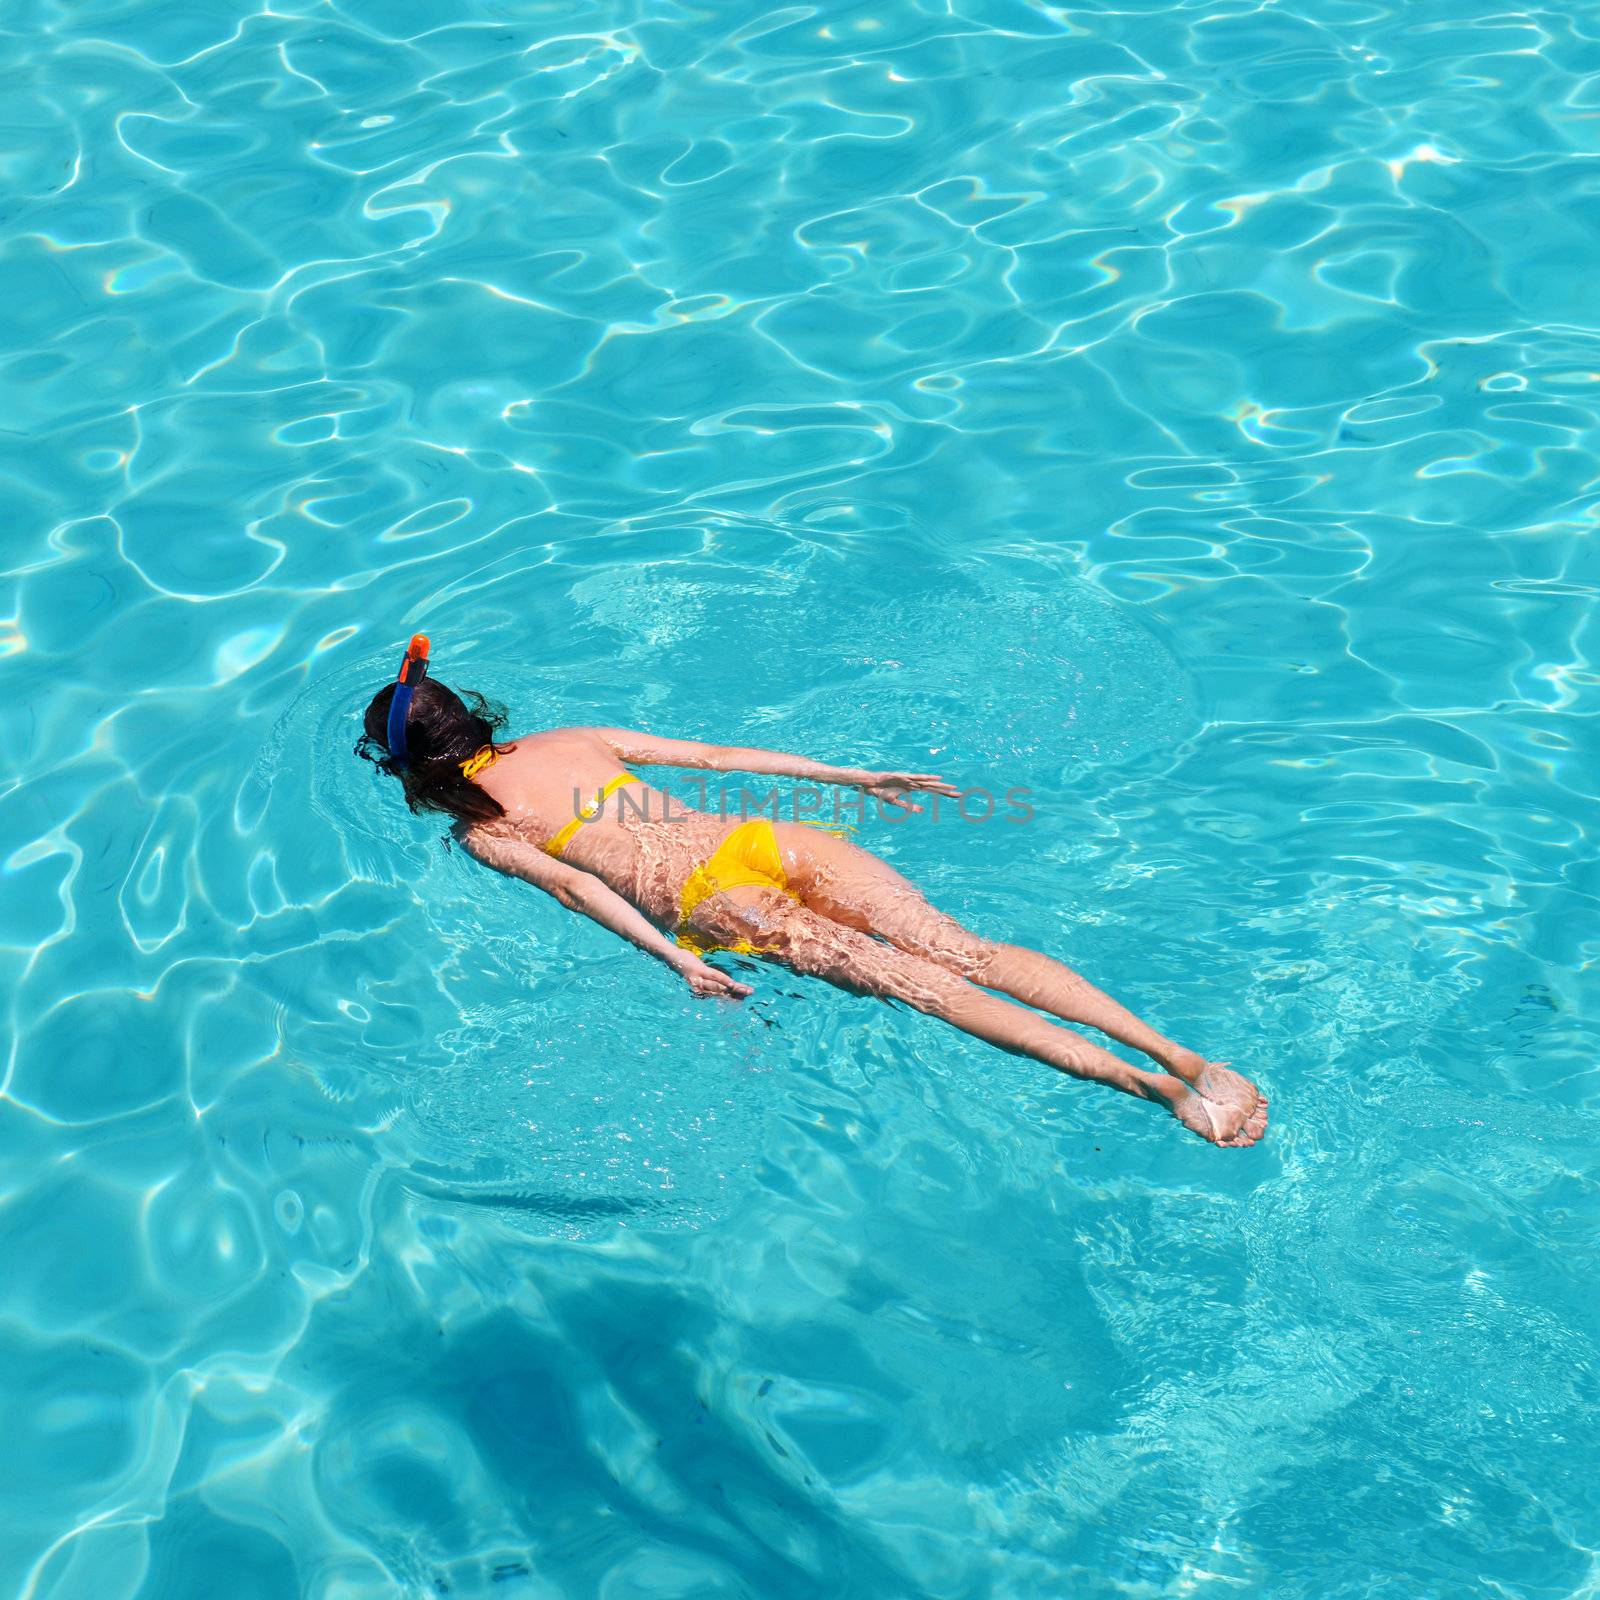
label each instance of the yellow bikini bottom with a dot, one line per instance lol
(747, 858)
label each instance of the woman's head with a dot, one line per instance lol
(443, 729)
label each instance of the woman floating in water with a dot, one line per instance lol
(797, 894)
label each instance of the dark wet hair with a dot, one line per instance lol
(443, 729)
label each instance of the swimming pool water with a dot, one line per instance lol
(1186, 411)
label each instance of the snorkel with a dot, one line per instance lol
(413, 669)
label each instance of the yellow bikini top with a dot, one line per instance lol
(555, 846)
(485, 756)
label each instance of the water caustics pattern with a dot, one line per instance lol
(1186, 410)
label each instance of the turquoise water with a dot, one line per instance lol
(1186, 411)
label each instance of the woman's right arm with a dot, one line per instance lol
(582, 891)
(645, 750)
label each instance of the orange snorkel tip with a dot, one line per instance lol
(413, 669)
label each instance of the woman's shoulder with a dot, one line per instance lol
(590, 733)
(545, 738)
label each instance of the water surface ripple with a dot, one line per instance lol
(1188, 411)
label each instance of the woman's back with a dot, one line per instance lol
(640, 840)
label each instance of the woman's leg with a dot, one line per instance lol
(823, 948)
(852, 886)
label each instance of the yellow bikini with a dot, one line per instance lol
(485, 758)
(556, 846)
(748, 858)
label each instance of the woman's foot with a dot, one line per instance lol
(1219, 1105)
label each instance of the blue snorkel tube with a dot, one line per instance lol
(413, 669)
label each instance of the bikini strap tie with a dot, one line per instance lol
(485, 756)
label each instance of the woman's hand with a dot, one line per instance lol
(706, 979)
(891, 787)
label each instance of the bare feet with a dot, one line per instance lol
(1220, 1105)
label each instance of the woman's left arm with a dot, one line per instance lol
(582, 891)
(646, 750)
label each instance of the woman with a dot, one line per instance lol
(638, 862)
